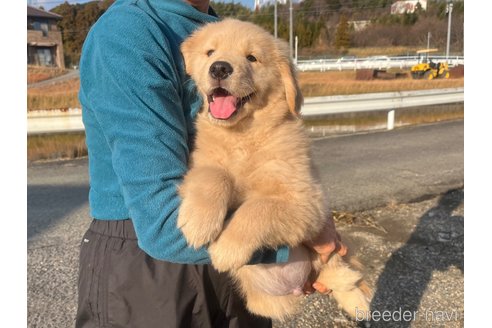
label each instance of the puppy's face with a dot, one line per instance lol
(239, 68)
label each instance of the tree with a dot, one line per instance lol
(342, 35)
(333, 5)
(231, 10)
(76, 23)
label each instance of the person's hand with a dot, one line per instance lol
(327, 242)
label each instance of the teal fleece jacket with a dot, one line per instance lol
(138, 108)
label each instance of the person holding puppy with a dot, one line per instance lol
(136, 269)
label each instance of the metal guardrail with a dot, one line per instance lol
(55, 121)
(390, 101)
(377, 62)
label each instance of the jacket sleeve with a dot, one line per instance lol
(130, 82)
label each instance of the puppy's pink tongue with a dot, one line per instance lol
(222, 107)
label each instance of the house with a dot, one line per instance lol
(359, 25)
(407, 6)
(44, 40)
(262, 3)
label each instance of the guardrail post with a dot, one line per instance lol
(391, 119)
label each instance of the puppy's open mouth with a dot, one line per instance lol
(223, 105)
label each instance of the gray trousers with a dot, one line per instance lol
(121, 286)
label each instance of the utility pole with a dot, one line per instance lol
(428, 40)
(449, 9)
(291, 38)
(295, 53)
(275, 20)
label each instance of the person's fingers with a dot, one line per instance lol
(342, 249)
(327, 248)
(324, 257)
(308, 288)
(320, 288)
(325, 245)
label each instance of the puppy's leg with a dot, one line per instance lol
(206, 194)
(349, 289)
(263, 222)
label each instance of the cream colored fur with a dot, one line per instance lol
(250, 183)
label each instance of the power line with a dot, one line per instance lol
(242, 16)
(56, 2)
(320, 9)
(323, 8)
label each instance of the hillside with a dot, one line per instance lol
(324, 28)
(327, 28)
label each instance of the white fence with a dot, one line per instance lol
(377, 62)
(390, 101)
(54, 121)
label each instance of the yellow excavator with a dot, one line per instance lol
(427, 69)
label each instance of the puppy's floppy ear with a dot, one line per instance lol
(187, 48)
(288, 75)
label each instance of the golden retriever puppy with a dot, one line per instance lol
(250, 185)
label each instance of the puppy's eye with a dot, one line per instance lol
(210, 52)
(251, 58)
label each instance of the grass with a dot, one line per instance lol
(69, 146)
(56, 146)
(64, 95)
(315, 84)
(58, 96)
(403, 116)
(330, 52)
(382, 51)
(366, 121)
(38, 74)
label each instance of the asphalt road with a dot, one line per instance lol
(401, 221)
(403, 165)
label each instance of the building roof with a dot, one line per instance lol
(35, 12)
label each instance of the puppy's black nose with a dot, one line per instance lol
(220, 70)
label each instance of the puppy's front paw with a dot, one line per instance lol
(200, 223)
(229, 254)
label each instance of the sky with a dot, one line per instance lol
(49, 4)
